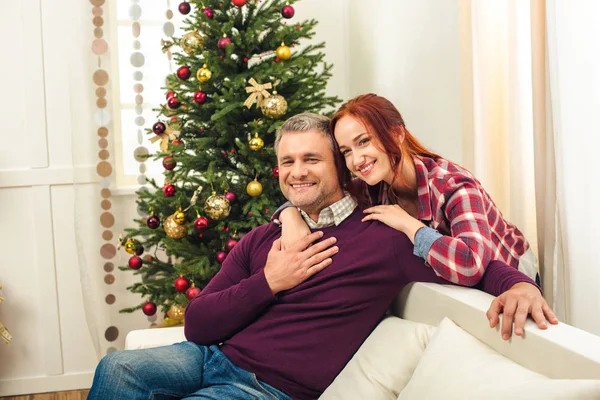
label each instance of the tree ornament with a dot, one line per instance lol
(181, 284)
(179, 217)
(208, 12)
(177, 142)
(169, 190)
(170, 134)
(230, 245)
(217, 207)
(171, 94)
(239, 3)
(203, 74)
(139, 250)
(131, 246)
(200, 97)
(159, 128)
(184, 73)
(257, 93)
(274, 107)
(173, 229)
(173, 103)
(256, 143)
(192, 292)
(169, 163)
(153, 222)
(283, 52)
(184, 8)
(254, 188)
(192, 42)
(224, 42)
(201, 223)
(287, 11)
(176, 312)
(135, 262)
(230, 196)
(221, 256)
(149, 308)
(276, 172)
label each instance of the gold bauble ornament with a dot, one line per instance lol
(191, 42)
(254, 188)
(173, 229)
(176, 312)
(274, 106)
(130, 246)
(256, 143)
(179, 217)
(203, 74)
(217, 207)
(283, 52)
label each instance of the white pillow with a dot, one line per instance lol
(456, 365)
(384, 363)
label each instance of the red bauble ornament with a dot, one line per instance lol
(149, 308)
(184, 72)
(287, 11)
(239, 3)
(276, 172)
(177, 142)
(224, 42)
(135, 262)
(208, 12)
(171, 94)
(185, 8)
(169, 190)
(192, 292)
(159, 128)
(221, 256)
(245, 59)
(201, 223)
(230, 244)
(169, 163)
(230, 196)
(181, 284)
(153, 222)
(200, 97)
(173, 103)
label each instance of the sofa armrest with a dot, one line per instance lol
(155, 337)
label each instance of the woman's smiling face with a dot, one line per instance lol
(362, 152)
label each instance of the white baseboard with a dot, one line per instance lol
(43, 384)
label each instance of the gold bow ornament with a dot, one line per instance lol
(169, 135)
(257, 93)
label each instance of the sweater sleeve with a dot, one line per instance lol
(232, 300)
(462, 257)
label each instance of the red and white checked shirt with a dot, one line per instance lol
(452, 201)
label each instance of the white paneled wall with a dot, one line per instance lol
(400, 49)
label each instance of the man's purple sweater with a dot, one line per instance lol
(299, 340)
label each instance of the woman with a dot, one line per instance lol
(442, 208)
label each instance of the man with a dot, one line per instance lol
(282, 323)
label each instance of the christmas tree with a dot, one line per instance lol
(242, 70)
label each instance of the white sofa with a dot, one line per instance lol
(442, 347)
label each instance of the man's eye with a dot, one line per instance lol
(312, 160)
(286, 163)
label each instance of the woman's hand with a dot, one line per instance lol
(396, 217)
(293, 227)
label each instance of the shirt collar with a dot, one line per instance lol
(334, 214)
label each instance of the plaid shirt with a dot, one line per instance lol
(332, 215)
(474, 232)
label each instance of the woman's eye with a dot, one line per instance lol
(363, 142)
(345, 153)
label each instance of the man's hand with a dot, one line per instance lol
(286, 268)
(516, 304)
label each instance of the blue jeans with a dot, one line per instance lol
(183, 370)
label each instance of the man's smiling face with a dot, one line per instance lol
(307, 173)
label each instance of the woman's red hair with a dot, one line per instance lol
(384, 122)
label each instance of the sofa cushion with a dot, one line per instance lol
(384, 363)
(456, 365)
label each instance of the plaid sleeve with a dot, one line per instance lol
(462, 257)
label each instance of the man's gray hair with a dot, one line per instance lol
(304, 122)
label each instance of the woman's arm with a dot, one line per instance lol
(293, 227)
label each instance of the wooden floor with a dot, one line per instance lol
(72, 395)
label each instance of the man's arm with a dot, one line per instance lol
(231, 300)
